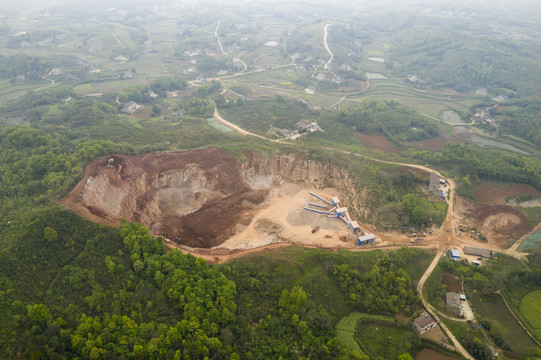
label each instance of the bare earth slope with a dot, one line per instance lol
(177, 195)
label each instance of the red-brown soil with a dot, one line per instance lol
(196, 198)
(493, 194)
(377, 142)
(212, 224)
(499, 223)
(451, 283)
(419, 172)
(144, 114)
(429, 354)
(505, 219)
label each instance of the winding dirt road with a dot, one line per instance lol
(433, 311)
(217, 38)
(326, 32)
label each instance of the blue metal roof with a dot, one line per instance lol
(455, 253)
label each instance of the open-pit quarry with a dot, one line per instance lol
(208, 200)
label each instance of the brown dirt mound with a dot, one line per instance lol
(505, 219)
(195, 197)
(419, 172)
(499, 223)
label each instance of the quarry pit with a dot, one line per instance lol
(206, 199)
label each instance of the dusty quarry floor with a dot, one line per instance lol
(283, 219)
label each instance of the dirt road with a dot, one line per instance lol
(433, 312)
(448, 123)
(217, 38)
(326, 32)
(118, 41)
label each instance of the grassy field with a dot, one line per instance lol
(432, 287)
(530, 308)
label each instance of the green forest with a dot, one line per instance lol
(396, 122)
(32, 67)
(71, 288)
(456, 59)
(521, 118)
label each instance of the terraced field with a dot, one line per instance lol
(345, 329)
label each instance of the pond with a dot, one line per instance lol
(376, 59)
(487, 142)
(492, 307)
(452, 117)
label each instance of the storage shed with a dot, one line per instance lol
(455, 255)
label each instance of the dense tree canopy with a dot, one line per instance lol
(394, 121)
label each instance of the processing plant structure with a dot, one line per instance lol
(332, 209)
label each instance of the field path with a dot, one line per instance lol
(118, 41)
(448, 123)
(51, 80)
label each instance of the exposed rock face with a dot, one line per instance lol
(196, 198)
(298, 169)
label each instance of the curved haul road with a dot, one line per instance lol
(446, 238)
